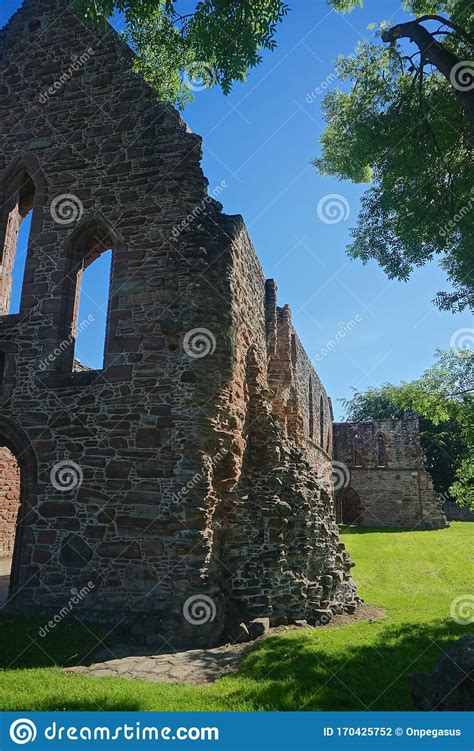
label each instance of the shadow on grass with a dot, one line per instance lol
(302, 670)
(299, 673)
(349, 530)
(25, 646)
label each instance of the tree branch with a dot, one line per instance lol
(446, 22)
(436, 54)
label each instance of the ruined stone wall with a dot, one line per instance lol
(455, 513)
(315, 406)
(391, 488)
(274, 526)
(9, 500)
(299, 399)
(164, 479)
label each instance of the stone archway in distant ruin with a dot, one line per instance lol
(349, 507)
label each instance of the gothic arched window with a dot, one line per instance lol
(357, 445)
(19, 200)
(92, 247)
(381, 453)
(321, 422)
(311, 408)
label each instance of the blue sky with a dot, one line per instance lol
(260, 141)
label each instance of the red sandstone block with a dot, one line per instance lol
(41, 556)
(118, 373)
(46, 537)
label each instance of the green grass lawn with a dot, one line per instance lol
(414, 576)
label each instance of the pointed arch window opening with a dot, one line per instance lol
(90, 293)
(381, 451)
(321, 422)
(294, 351)
(19, 201)
(311, 409)
(90, 322)
(357, 445)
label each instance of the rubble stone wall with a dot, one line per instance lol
(182, 475)
(391, 489)
(9, 500)
(455, 513)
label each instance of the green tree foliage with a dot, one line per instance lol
(444, 399)
(462, 489)
(406, 125)
(177, 52)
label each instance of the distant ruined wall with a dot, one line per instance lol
(455, 513)
(200, 471)
(298, 397)
(9, 500)
(387, 483)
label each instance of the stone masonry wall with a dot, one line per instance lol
(274, 526)
(182, 474)
(399, 491)
(455, 513)
(299, 399)
(9, 500)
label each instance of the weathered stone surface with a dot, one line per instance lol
(258, 627)
(450, 685)
(54, 509)
(238, 633)
(9, 500)
(75, 552)
(196, 666)
(382, 478)
(455, 513)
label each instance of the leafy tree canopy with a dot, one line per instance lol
(444, 399)
(406, 125)
(178, 52)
